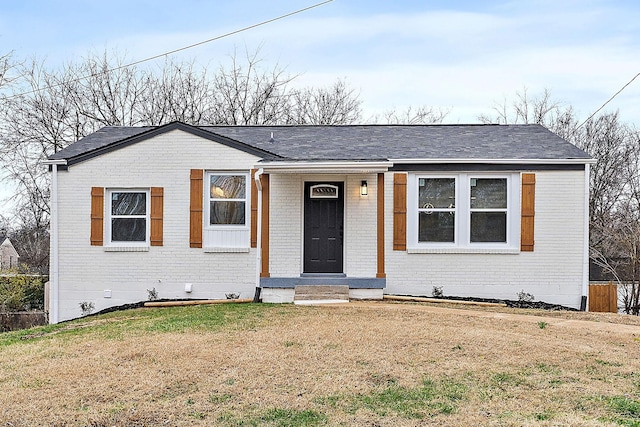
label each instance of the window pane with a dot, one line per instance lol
(128, 229)
(324, 191)
(489, 227)
(227, 187)
(227, 213)
(488, 193)
(436, 227)
(436, 193)
(128, 203)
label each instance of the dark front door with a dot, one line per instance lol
(323, 227)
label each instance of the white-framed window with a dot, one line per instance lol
(128, 212)
(463, 212)
(228, 200)
(228, 210)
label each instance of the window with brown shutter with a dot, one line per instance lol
(528, 212)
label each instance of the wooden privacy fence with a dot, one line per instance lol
(603, 298)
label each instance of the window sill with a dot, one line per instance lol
(503, 251)
(218, 250)
(126, 248)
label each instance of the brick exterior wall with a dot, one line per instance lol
(552, 273)
(287, 224)
(86, 271)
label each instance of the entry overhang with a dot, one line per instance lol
(345, 167)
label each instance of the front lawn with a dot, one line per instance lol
(350, 364)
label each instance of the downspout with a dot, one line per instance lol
(54, 315)
(585, 261)
(256, 178)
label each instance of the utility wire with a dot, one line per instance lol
(608, 101)
(151, 58)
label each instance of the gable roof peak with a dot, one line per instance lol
(111, 138)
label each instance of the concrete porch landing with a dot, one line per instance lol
(320, 294)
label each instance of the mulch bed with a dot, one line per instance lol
(510, 303)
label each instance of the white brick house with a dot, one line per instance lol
(202, 211)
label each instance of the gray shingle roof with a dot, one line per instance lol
(378, 142)
(99, 139)
(362, 142)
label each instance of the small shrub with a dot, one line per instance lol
(525, 296)
(436, 292)
(87, 307)
(21, 292)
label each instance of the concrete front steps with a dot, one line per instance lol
(320, 294)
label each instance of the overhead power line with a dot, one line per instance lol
(171, 52)
(608, 101)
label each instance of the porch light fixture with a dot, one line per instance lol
(363, 188)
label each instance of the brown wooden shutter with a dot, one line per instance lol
(254, 210)
(528, 212)
(195, 218)
(264, 269)
(399, 212)
(97, 215)
(157, 208)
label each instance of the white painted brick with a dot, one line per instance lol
(278, 295)
(552, 273)
(286, 224)
(362, 294)
(163, 161)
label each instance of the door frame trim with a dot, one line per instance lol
(324, 179)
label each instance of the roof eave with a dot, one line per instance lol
(324, 166)
(61, 162)
(574, 161)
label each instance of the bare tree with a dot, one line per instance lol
(334, 105)
(615, 147)
(246, 94)
(539, 109)
(43, 110)
(614, 197)
(105, 91)
(423, 115)
(8, 67)
(178, 92)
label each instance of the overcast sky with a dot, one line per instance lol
(463, 56)
(460, 55)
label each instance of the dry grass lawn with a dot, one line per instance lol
(357, 364)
